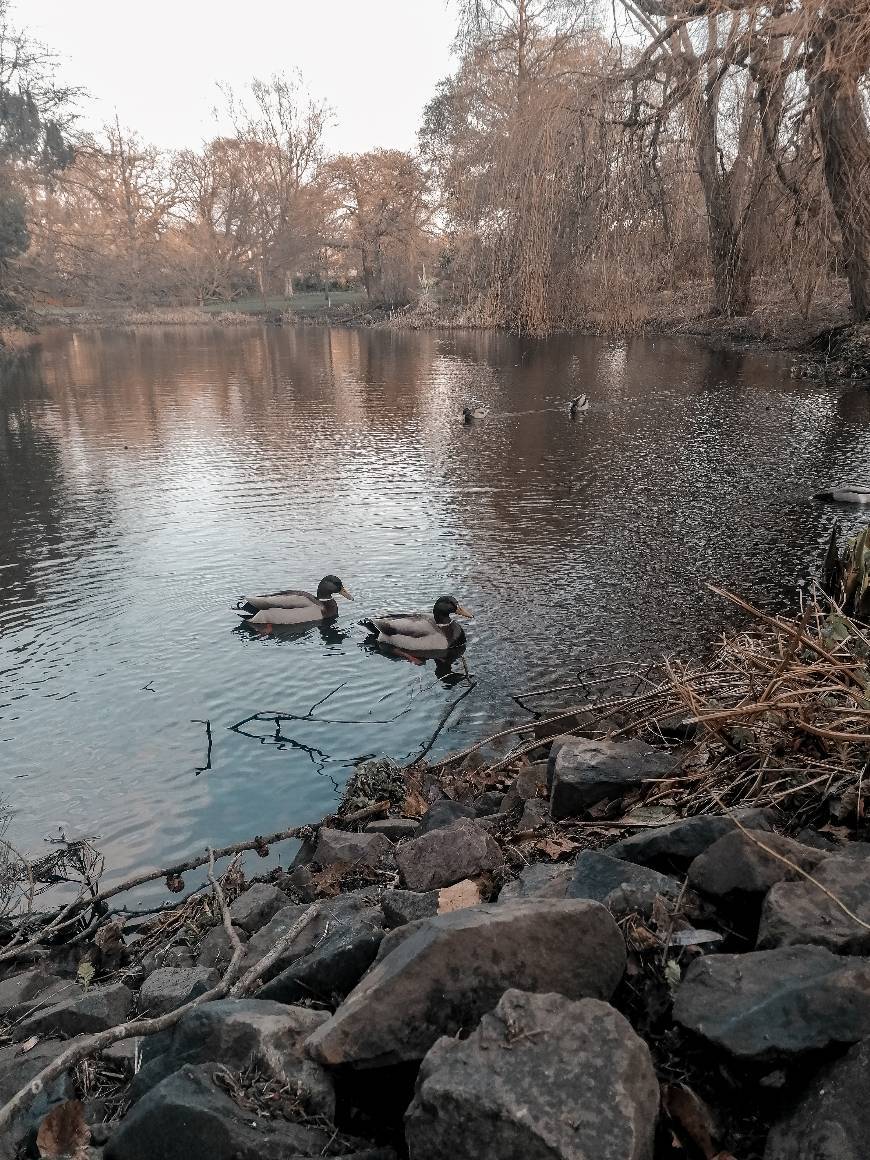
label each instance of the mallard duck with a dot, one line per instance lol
(416, 632)
(846, 494)
(469, 414)
(293, 606)
(581, 403)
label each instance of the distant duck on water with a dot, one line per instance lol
(469, 414)
(417, 632)
(293, 606)
(848, 493)
(581, 403)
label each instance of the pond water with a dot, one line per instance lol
(148, 478)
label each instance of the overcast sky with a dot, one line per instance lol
(156, 64)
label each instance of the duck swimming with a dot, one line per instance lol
(293, 606)
(416, 632)
(848, 493)
(471, 413)
(581, 403)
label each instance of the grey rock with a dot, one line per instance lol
(172, 956)
(584, 773)
(30, 989)
(444, 856)
(540, 880)
(123, 1054)
(597, 875)
(348, 849)
(93, 1010)
(334, 965)
(734, 869)
(444, 813)
(171, 987)
(216, 950)
(831, 1119)
(674, 846)
(346, 908)
(439, 975)
(487, 803)
(770, 1005)
(396, 829)
(188, 1117)
(798, 912)
(253, 908)
(542, 1078)
(402, 906)
(239, 1033)
(18, 1068)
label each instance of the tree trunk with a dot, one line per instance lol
(845, 140)
(729, 255)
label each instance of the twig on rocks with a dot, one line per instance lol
(250, 979)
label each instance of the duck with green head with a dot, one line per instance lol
(294, 606)
(418, 632)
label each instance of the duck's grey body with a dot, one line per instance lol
(581, 403)
(417, 632)
(293, 605)
(469, 414)
(289, 607)
(846, 494)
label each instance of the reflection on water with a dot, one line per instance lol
(149, 478)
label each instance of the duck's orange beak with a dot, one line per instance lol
(460, 611)
(344, 592)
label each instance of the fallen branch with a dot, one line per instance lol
(249, 980)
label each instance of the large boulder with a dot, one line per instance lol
(542, 1078)
(583, 773)
(768, 1005)
(256, 905)
(444, 856)
(831, 1118)
(798, 912)
(95, 1009)
(671, 848)
(188, 1116)
(437, 976)
(344, 848)
(171, 987)
(241, 1033)
(736, 870)
(597, 875)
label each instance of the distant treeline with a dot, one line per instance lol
(583, 160)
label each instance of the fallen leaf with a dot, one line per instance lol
(691, 937)
(63, 1132)
(465, 893)
(553, 847)
(109, 937)
(28, 1044)
(673, 974)
(414, 805)
(691, 1118)
(85, 973)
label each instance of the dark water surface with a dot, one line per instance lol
(148, 478)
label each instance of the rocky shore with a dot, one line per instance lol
(517, 957)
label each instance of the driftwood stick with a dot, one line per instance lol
(250, 979)
(68, 914)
